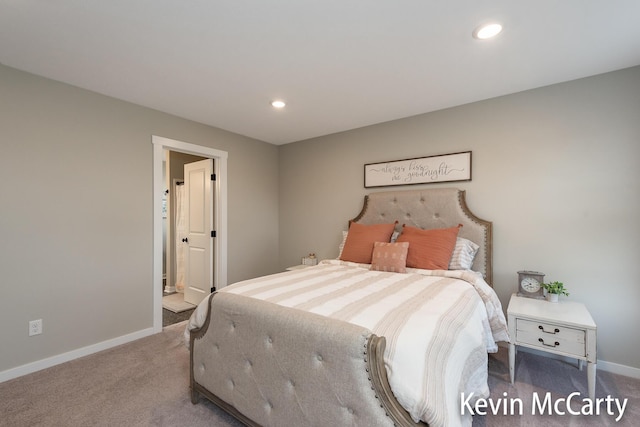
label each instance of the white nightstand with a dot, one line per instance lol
(565, 328)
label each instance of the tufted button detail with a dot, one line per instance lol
(231, 384)
(202, 367)
(436, 215)
(319, 357)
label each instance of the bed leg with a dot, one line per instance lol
(195, 396)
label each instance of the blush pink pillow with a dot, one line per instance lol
(429, 249)
(359, 244)
(390, 257)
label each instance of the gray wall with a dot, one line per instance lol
(76, 218)
(555, 169)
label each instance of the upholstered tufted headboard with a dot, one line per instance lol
(432, 208)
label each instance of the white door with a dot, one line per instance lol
(199, 217)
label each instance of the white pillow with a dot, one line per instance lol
(463, 254)
(341, 246)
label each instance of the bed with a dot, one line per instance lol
(375, 341)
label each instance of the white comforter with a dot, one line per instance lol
(439, 326)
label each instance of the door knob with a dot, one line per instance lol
(185, 240)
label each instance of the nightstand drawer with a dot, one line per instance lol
(551, 337)
(549, 329)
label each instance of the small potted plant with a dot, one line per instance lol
(554, 289)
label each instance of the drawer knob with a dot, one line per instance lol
(555, 344)
(555, 331)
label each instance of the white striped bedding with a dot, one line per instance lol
(439, 326)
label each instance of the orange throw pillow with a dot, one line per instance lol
(391, 257)
(429, 249)
(360, 240)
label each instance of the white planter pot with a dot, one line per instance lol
(552, 297)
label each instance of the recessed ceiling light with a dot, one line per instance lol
(487, 31)
(278, 104)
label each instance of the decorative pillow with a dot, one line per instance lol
(394, 236)
(390, 257)
(341, 245)
(358, 246)
(429, 249)
(463, 254)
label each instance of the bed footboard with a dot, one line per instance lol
(272, 365)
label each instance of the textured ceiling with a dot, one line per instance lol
(339, 65)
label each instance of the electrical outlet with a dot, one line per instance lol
(35, 327)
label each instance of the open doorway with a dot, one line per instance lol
(160, 147)
(175, 306)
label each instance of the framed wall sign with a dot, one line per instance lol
(421, 170)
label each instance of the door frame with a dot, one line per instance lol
(160, 144)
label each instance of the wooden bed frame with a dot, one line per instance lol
(281, 366)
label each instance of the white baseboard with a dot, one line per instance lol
(616, 368)
(602, 365)
(38, 365)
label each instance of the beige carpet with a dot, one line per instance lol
(541, 375)
(146, 383)
(175, 303)
(142, 383)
